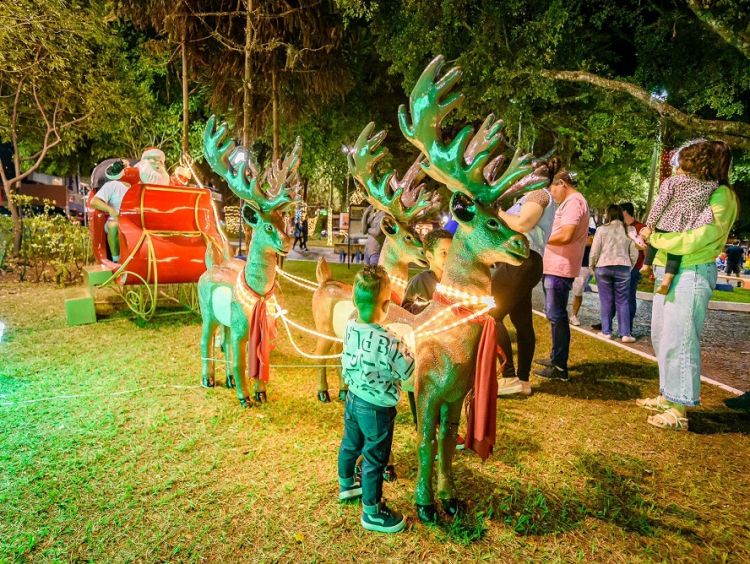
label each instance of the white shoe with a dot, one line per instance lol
(628, 339)
(605, 335)
(510, 386)
(574, 320)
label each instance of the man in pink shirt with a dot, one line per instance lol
(562, 262)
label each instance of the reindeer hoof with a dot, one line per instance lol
(427, 513)
(343, 394)
(261, 397)
(450, 506)
(246, 403)
(207, 382)
(230, 382)
(323, 396)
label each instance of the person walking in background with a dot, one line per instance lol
(677, 319)
(613, 256)
(634, 228)
(304, 227)
(581, 282)
(563, 256)
(298, 233)
(735, 258)
(371, 222)
(533, 216)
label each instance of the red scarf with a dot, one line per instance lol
(260, 338)
(481, 409)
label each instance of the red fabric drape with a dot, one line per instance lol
(481, 411)
(261, 335)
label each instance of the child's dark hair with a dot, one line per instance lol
(432, 239)
(722, 162)
(368, 283)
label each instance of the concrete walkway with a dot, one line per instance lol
(725, 345)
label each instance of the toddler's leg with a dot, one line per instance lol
(648, 260)
(672, 268)
(377, 427)
(351, 447)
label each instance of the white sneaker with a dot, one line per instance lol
(605, 335)
(574, 320)
(508, 386)
(628, 339)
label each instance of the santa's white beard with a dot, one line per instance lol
(151, 175)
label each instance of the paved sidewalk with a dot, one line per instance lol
(725, 345)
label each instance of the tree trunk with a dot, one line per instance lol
(15, 216)
(275, 112)
(185, 98)
(247, 77)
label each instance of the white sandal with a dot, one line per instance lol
(654, 404)
(670, 419)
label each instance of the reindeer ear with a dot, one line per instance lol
(388, 226)
(250, 215)
(463, 208)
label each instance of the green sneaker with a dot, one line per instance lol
(381, 519)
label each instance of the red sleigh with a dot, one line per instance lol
(167, 235)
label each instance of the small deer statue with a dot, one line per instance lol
(408, 202)
(447, 357)
(242, 299)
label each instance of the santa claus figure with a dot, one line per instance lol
(150, 169)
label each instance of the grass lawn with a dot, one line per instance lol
(738, 295)
(177, 472)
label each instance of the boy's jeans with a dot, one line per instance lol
(368, 430)
(676, 326)
(556, 292)
(613, 283)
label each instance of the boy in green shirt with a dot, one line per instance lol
(373, 363)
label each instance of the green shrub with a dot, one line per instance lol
(54, 248)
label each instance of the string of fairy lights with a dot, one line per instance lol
(463, 300)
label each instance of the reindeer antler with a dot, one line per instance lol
(219, 152)
(283, 179)
(408, 199)
(470, 162)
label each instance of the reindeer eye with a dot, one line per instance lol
(493, 224)
(269, 229)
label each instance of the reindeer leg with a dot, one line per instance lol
(429, 408)
(207, 351)
(450, 415)
(239, 370)
(322, 346)
(227, 348)
(260, 391)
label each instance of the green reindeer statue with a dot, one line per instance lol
(448, 352)
(241, 300)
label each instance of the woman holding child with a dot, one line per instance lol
(679, 309)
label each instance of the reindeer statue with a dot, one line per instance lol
(238, 299)
(448, 356)
(408, 202)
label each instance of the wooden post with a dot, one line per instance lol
(185, 95)
(275, 112)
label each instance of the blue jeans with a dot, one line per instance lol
(613, 283)
(556, 293)
(635, 277)
(368, 430)
(676, 325)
